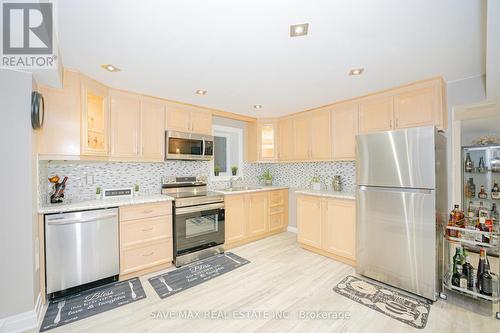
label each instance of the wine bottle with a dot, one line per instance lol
(481, 267)
(469, 165)
(486, 281)
(468, 272)
(455, 278)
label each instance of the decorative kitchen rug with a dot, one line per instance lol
(407, 309)
(91, 302)
(191, 275)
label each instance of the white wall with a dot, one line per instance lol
(18, 277)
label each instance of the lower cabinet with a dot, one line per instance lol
(253, 216)
(145, 238)
(327, 226)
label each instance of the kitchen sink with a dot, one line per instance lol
(241, 188)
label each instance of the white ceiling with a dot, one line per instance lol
(241, 52)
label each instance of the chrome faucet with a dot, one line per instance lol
(236, 182)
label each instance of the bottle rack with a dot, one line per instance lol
(467, 238)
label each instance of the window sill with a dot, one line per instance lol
(223, 178)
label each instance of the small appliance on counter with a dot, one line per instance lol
(198, 217)
(57, 195)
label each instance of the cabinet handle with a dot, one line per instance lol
(149, 254)
(390, 123)
(147, 229)
(397, 122)
(148, 211)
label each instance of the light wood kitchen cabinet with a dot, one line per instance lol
(321, 135)
(339, 227)
(376, 114)
(309, 220)
(152, 132)
(178, 120)
(235, 219)
(251, 143)
(420, 107)
(146, 243)
(125, 111)
(60, 134)
(94, 118)
(285, 142)
(252, 216)
(201, 122)
(302, 137)
(186, 120)
(327, 226)
(267, 141)
(258, 214)
(344, 131)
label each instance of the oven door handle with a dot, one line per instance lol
(201, 208)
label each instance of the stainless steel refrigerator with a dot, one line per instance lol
(401, 207)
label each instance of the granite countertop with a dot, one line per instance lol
(101, 203)
(327, 193)
(254, 188)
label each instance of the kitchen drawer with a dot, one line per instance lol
(139, 231)
(145, 256)
(276, 221)
(276, 198)
(141, 211)
(276, 210)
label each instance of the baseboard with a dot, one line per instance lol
(292, 229)
(25, 321)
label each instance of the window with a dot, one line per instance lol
(228, 150)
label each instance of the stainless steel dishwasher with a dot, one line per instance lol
(80, 248)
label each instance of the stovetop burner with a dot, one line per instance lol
(189, 191)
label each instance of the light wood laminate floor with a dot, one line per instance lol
(281, 277)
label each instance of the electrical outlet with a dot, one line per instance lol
(89, 179)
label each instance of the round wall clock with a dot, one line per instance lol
(37, 110)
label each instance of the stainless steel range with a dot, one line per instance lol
(198, 219)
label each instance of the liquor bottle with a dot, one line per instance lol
(469, 165)
(472, 188)
(481, 166)
(486, 284)
(482, 193)
(468, 272)
(470, 211)
(480, 268)
(482, 211)
(495, 191)
(457, 267)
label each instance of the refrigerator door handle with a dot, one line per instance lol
(395, 189)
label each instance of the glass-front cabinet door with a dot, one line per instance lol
(481, 182)
(268, 141)
(95, 119)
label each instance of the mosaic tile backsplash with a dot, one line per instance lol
(148, 175)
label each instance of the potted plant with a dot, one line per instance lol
(216, 170)
(136, 189)
(266, 178)
(98, 192)
(316, 183)
(234, 170)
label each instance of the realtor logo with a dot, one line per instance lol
(27, 35)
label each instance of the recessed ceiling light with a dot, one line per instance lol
(257, 106)
(299, 29)
(201, 92)
(356, 71)
(110, 68)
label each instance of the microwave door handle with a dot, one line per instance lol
(203, 147)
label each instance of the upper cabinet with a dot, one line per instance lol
(125, 111)
(94, 118)
(60, 134)
(321, 135)
(344, 131)
(376, 114)
(152, 131)
(418, 104)
(419, 107)
(301, 137)
(285, 135)
(186, 120)
(268, 140)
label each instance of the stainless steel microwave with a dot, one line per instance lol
(188, 146)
